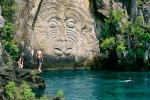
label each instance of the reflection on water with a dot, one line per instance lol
(97, 85)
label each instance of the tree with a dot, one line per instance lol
(8, 31)
(127, 41)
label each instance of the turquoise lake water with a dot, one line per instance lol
(97, 85)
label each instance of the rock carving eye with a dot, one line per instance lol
(53, 23)
(71, 24)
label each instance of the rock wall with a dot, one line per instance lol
(146, 13)
(4, 57)
(130, 7)
(68, 30)
(63, 29)
(1, 19)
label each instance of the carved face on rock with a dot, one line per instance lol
(64, 30)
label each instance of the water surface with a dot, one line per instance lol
(97, 85)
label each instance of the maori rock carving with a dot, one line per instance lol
(64, 30)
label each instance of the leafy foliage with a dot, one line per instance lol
(108, 39)
(128, 40)
(44, 98)
(33, 73)
(24, 92)
(140, 3)
(8, 8)
(9, 63)
(115, 17)
(60, 94)
(10, 89)
(121, 47)
(137, 35)
(11, 48)
(13, 92)
(108, 43)
(27, 94)
(8, 31)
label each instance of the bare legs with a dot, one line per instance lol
(39, 68)
(20, 66)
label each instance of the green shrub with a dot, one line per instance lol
(44, 98)
(9, 63)
(27, 92)
(140, 3)
(108, 43)
(10, 89)
(131, 37)
(33, 73)
(11, 48)
(8, 9)
(120, 48)
(8, 31)
(60, 94)
(19, 93)
(23, 92)
(112, 21)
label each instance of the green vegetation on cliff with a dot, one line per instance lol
(8, 31)
(22, 92)
(124, 45)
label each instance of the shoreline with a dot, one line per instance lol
(65, 68)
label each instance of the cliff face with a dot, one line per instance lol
(131, 8)
(63, 29)
(68, 30)
(1, 19)
(145, 12)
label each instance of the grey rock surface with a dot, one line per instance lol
(63, 29)
(146, 13)
(1, 19)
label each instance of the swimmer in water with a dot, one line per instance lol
(128, 80)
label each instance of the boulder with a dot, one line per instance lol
(32, 77)
(18, 75)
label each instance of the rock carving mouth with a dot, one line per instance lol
(63, 50)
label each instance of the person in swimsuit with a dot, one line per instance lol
(39, 58)
(20, 62)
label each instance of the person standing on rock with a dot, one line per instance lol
(39, 58)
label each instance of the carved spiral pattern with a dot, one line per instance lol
(65, 30)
